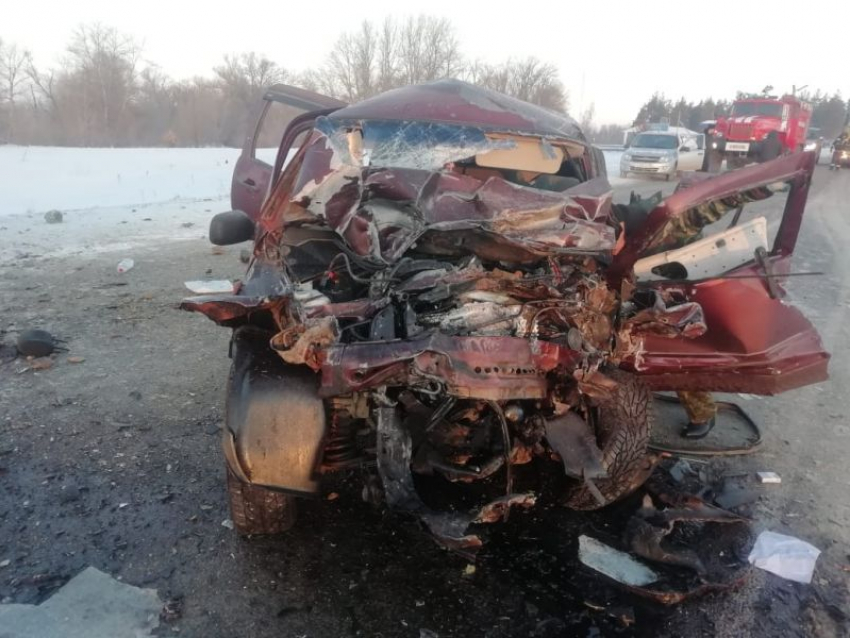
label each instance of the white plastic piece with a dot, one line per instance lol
(769, 477)
(307, 296)
(712, 256)
(125, 264)
(614, 563)
(785, 556)
(209, 287)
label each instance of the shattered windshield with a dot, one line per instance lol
(655, 140)
(768, 109)
(400, 144)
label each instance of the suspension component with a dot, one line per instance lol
(340, 450)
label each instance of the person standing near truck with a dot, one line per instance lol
(710, 158)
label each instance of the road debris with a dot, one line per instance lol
(76, 359)
(53, 217)
(37, 343)
(209, 286)
(613, 563)
(42, 363)
(769, 477)
(785, 556)
(125, 264)
(731, 495)
(227, 523)
(91, 604)
(648, 527)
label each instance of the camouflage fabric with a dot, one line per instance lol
(700, 406)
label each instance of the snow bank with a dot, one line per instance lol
(38, 178)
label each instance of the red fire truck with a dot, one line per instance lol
(761, 129)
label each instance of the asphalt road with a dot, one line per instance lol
(114, 462)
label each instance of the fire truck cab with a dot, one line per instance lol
(760, 129)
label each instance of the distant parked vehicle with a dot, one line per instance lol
(663, 152)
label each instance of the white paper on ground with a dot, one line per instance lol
(785, 556)
(614, 563)
(209, 287)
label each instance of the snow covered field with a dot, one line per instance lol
(111, 199)
(37, 179)
(114, 200)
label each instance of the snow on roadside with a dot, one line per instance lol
(111, 229)
(35, 179)
(111, 199)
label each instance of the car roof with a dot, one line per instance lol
(458, 102)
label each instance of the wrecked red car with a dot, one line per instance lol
(443, 294)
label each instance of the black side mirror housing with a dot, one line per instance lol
(685, 149)
(232, 227)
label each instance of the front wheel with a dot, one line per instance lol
(256, 510)
(623, 426)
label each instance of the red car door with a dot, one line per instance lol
(255, 167)
(755, 341)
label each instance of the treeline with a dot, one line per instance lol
(104, 93)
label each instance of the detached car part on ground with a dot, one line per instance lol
(443, 294)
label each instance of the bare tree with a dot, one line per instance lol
(13, 78)
(428, 50)
(247, 75)
(242, 79)
(586, 121)
(378, 58)
(352, 62)
(529, 79)
(100, 82)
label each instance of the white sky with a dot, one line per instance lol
(614, 53)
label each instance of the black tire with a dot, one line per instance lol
(624, 424)
(257, 511)
(254, 510)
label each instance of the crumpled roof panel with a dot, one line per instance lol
(463, 103)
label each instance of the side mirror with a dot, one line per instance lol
(685, 149)
(232, 227)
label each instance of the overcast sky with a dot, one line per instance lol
(610, 52)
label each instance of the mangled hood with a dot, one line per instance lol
(385, 187)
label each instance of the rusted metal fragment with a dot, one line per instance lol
(676, 597)
(497, 510)
(646, 530)
(682, 320)
(226, 308)
(595, 384)
(306, 343)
